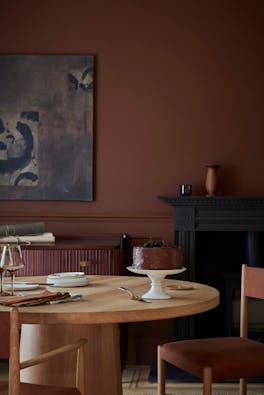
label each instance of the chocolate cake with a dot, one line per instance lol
(156, 255)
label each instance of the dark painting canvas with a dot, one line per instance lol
(46, 127)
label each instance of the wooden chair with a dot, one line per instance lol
(14, 387)
(220, 358)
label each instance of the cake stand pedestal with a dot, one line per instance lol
(156, 277)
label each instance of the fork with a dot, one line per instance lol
(133, 296)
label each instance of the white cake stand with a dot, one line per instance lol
(156, 290)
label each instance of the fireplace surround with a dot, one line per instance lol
(217, 234)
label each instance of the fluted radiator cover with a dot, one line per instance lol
(46, 261)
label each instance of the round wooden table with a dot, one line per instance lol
(96, 316)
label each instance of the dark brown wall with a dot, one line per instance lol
(178, 84)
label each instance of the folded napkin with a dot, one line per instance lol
(34, 299)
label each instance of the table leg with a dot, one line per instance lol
(102, 356)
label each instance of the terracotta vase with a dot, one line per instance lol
(211, 179)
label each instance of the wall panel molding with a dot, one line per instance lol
(85, 218)
(86, 225)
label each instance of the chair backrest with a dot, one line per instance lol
(252, 285)
(15, 365)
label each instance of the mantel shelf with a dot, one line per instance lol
(217, 213)
(218, 201)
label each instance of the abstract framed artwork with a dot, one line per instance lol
(46, 127)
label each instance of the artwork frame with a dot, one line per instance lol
(46, 127)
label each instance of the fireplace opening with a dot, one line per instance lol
(218, 257)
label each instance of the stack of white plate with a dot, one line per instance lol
(68, 279)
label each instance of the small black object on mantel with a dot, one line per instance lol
(185, 189)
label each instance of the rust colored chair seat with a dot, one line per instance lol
(215, 359)
(229, 357)
(36, 389)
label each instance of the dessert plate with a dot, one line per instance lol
(21, 286)
(65, 284)
(180, 287)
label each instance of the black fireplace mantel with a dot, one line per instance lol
(217, 213)
(196, 214)
(213, 213)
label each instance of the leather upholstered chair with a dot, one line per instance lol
(220, 358)
(14, 387)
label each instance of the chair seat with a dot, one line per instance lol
(33, 389)
(229, 357)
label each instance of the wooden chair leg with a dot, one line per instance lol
(242, 387)
(161, 374)
(80, 383)
(14, 365)
(207, 381)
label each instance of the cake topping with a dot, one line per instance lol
(155, 243)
